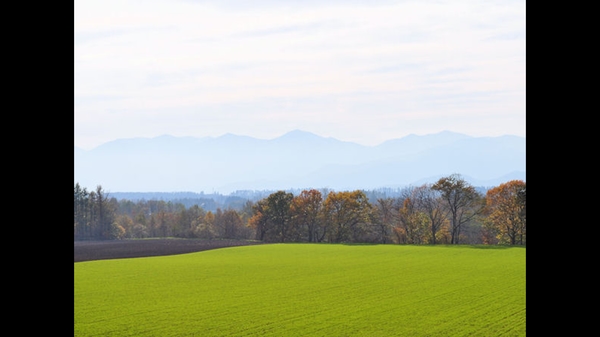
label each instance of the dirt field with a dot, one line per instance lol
(103, 250)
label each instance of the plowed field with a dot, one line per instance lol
(118, 249)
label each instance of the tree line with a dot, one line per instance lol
(449, 211)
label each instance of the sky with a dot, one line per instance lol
(359, 71)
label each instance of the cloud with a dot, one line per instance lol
(185, 63)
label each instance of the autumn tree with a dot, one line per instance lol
(163, 221)
(412, 223)
(272, 217)
(278, 211)
(228, 224)
(461, 201)
(206, 227)
(246, 212)
(259, 221)
(140, 228)
(383, 218)
(346, 214)
(449, 211)
(306, 216)
(125, 222)
(187, 220)
(521, 199)
(429, 202)
(505, 210)
(152, 227)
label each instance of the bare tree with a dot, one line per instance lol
(228, 224)
(429, 201)
(384, 218)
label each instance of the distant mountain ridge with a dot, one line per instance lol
(297, 159)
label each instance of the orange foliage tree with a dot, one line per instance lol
(347, 213)
(272, 218)
(505, 209)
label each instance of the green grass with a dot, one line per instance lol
(306, 290)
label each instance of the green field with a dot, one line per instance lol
(306, 290)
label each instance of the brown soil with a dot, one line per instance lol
(118, 249)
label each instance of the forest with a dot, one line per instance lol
(449, 211)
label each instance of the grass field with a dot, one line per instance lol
(306, 290)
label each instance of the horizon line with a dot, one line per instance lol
(293, 131)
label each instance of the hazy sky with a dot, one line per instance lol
(361, 71)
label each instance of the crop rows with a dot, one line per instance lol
(306, 290)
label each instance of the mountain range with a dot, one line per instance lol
(298, 159)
